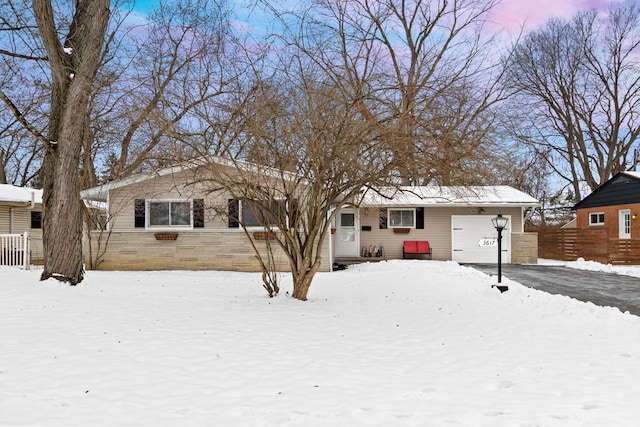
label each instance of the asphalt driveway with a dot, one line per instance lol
(604, 289)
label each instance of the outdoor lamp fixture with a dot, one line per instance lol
(500, 223)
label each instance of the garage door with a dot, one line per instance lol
(474, 239)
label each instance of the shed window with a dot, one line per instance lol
(36, 220)
(402, 218)
(596, 218)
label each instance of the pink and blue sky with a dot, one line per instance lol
(513, 14)
(509, 15)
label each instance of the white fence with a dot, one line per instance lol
(14, 250)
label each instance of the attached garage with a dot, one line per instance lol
(474, 239)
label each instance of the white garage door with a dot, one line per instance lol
(474, 239)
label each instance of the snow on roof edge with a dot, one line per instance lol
(100, 192)
(500, 195)
(12, 193)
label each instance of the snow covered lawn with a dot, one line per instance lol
(401, 343)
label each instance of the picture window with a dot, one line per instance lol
(402, 218)
(169, 214)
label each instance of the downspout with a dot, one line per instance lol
(532, 211)
(330, 243)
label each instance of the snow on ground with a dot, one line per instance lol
(581, 264)
(399, 343)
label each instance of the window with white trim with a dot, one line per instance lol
(169, 214)
(596, 218)
(401, 218)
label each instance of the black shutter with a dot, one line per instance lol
(234, 213)
(383, 218)
(420, 218)
(139, 213)
(198, 213)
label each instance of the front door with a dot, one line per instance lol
(624, 224)
(347, 233)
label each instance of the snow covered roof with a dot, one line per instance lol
(12, 194)
(499, 195)
(101, 192)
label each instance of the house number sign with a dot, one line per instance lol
(488, 241)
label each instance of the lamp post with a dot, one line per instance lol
(500, 223)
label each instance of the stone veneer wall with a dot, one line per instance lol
(524, 248)
(190, 251)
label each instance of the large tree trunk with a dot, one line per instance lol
(62, 219)
(74, 65)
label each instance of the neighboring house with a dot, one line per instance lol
(614, 206)
(455, 220)
(606, 227)
(20, 212)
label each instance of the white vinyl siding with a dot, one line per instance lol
(14, 220)
(437, 229)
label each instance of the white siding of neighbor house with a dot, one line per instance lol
(14, 219)
(437, 229)
(17, 220)
(5, 220)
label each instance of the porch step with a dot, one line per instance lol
(357, 259)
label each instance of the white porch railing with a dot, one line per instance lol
(14, 250)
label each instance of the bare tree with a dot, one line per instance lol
(361, 95)
(579, 92)
(73, 66)
(311, 151)
(180, 64)
(20, 155)
(21, 66)
(71, 41)
(425, 69)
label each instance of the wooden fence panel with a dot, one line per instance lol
(624, 251)
(558, 244)
(592, 245)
